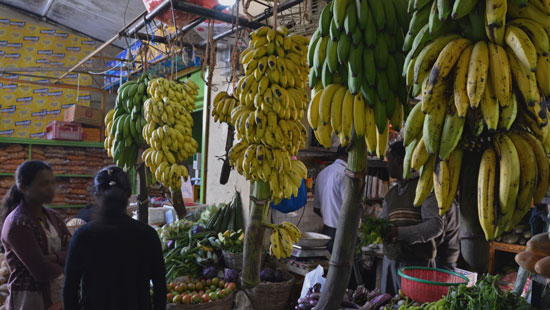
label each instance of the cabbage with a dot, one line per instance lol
(231, 275)
(209, 272)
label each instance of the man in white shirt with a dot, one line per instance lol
(330, 186)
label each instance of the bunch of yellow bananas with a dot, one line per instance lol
(514, 170)
(222, 105)
(271, 102)
(355, 56)
(168, 130)
(335, 110)
(282, 238)
(484, 78)
(259, 162)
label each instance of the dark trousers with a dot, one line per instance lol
(331, 232)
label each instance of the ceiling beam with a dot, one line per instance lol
(214, 14)
(267, 14)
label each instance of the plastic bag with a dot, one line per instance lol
(294, 203)
(313, 277)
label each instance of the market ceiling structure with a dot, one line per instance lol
(101, 19)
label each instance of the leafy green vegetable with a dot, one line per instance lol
(372, 231)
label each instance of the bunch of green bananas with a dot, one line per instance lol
(124, 123)
(282, 238)
(222, 105)
(514, 170)
(168, 129)
(271, 102)
(480, 72)
(358, 44)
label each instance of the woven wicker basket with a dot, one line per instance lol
(235, 261)
(270, 295)
(224, 304)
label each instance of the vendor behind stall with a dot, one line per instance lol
(412, 241)
(330, 187)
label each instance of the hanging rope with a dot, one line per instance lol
(275, 11)
(235, 58)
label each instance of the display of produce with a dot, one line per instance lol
(272, 99)
(231, 241)
(11, 156)
(355, 56)
(352, 300)
(519, 235)
(124, 123)
(227, 217)
(189, 290)
(478, 69)
(168, 129)
(372, 231)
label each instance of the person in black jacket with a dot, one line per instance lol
(113, 260)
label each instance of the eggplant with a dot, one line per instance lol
(313, 302)
(303, 300)
(381, 300)
(304, 306)
(315, 296)
(373, 293)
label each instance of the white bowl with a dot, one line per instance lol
(312, 239)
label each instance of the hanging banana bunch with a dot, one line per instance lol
(123, 124)
(271, 102)
(480, 70)
(168, 129)
(222, 105)
(282, 239)
(355, 56)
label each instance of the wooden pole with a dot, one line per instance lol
(254, 236)
(343, 253)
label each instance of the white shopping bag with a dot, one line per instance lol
(313, 277)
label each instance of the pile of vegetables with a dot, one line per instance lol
(192, 291)
(485, 295)
(312, 298)
(207, 214)
(368, 300)
(231, 241)
(271, 275)
(227, 217)
(372, 231)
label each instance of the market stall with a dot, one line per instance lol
(224, 115)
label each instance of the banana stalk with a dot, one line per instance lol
(254, 237)
(346, 233)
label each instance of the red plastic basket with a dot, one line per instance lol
(424, 284)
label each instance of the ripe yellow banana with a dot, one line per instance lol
(347, 114)
(490, 108)
(477, 73)
(326, 103)
(518, 41)
(500, 75)
(359, 121)
(441, 182)
(526, 80)
(485, 192)
(425, 182)
(419, 156)
(370, 129)
(337, 103)
(509, 173)
(461, 100)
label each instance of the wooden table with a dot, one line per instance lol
(503, 247)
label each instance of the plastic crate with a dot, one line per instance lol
(64, 131)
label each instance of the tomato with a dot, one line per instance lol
(232, 286)
(221, 284)
(215, 281)
(205, 298)
(191, 286)
(196, 299)
(213, 296)
(177, 299)
(186, 299)
(169, 297)
(201, 292)
(172, 286)
(221, 295)
(183, 287)
(209, 282)
(213, 288)
(203, 281)
(199, 286)
(227, 291)
(179, 289)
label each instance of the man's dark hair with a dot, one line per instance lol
(342, 151)
(397, 149)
